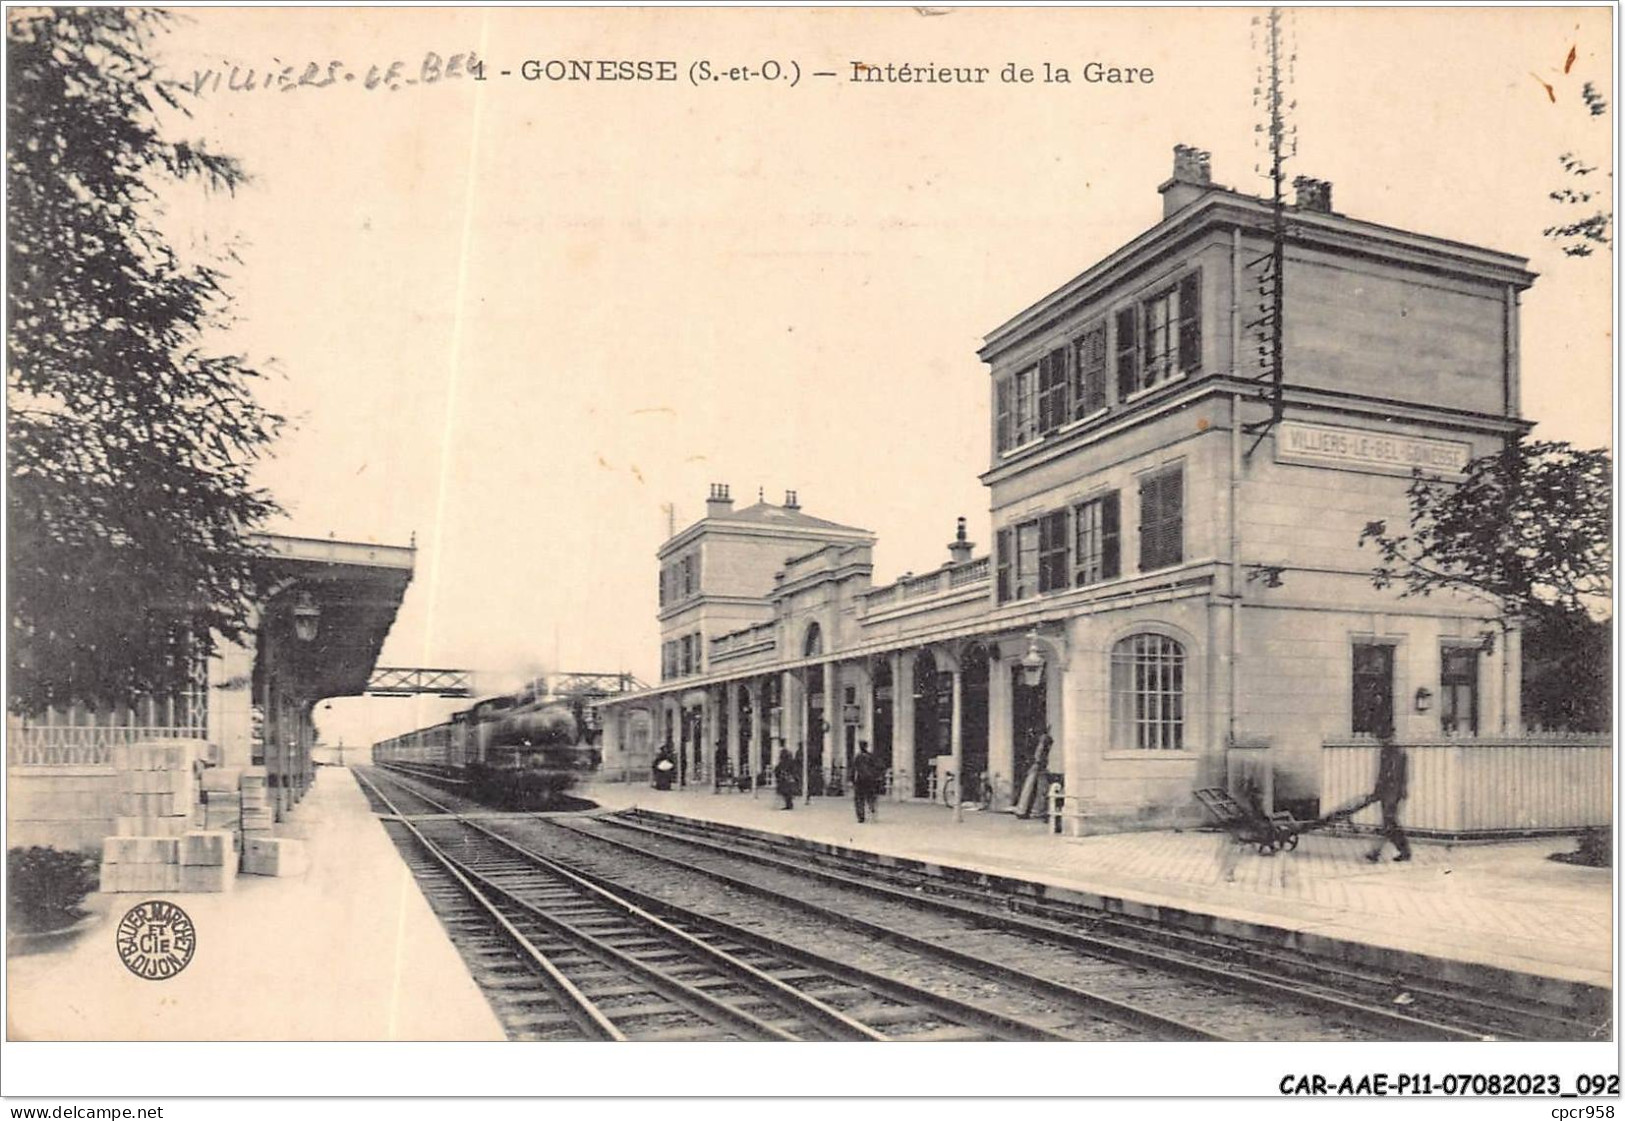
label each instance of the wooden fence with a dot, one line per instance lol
(1482, 785)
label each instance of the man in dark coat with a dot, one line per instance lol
(787, 778)
(865, 782)
(1390, 789)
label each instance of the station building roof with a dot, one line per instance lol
(356, 587)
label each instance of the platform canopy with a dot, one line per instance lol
(332, 606)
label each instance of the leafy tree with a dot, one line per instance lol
(1581, 236)
(131, 442)
(1568, 678)
(1529, 531)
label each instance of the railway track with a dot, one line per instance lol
(1209, 986)
(574, 954)
(1431, 1010)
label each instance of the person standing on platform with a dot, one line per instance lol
(787, 777)
(865, 782)
(665, 766)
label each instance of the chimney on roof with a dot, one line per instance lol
(1192, 178)
(1313, 194)
(718, 503)
(790, 502)
(960, 548)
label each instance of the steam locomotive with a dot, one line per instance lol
(517, 751)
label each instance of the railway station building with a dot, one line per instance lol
(1172, 584)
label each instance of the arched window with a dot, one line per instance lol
(1148, 694)
(814, 643)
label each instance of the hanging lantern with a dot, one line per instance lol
(1032, 662)
(307, 616)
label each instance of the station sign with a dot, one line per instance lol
(1359, 449)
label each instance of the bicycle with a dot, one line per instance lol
(983, 790)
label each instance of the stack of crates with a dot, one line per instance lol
(155, 798)
(208, 860)
(258, 817)
(222, 802)
(144, 864)
(154, 789)
(274, 856)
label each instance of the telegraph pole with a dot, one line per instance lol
(1273, 84)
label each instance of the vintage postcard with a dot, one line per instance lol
(894, 524)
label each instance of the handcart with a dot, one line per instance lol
(1249, 824)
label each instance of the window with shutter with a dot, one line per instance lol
(1168, 343)
(1002, 549)
(1190, 323)
(1026, 574)
(1096, 540)
(1128, 353)
(1161, 338)
(1003, 417)
(1026, 405)
(1110, 548)
(1052, 389)
(1162, 529)
(1052, 552)
(1089, 372)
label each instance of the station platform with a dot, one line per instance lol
(348, 951)
(1457, 909)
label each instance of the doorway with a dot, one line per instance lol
(1029, 716)
(881, 747)
(973, 724)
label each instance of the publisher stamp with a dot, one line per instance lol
(155, 940)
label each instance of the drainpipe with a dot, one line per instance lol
(1234, 583)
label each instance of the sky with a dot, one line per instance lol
(515, 320)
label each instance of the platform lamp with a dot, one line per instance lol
(307, 615)
(1032, 662)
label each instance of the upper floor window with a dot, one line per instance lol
(662, 587)
(1162, 519)
(1148, 694)
(1150, 342)
(813, 644)
(1096, 540)
(1052, 391)
(1161, 338)
(1089, 372)
(1026, 405)
(1052, 552)
(1018, 561)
